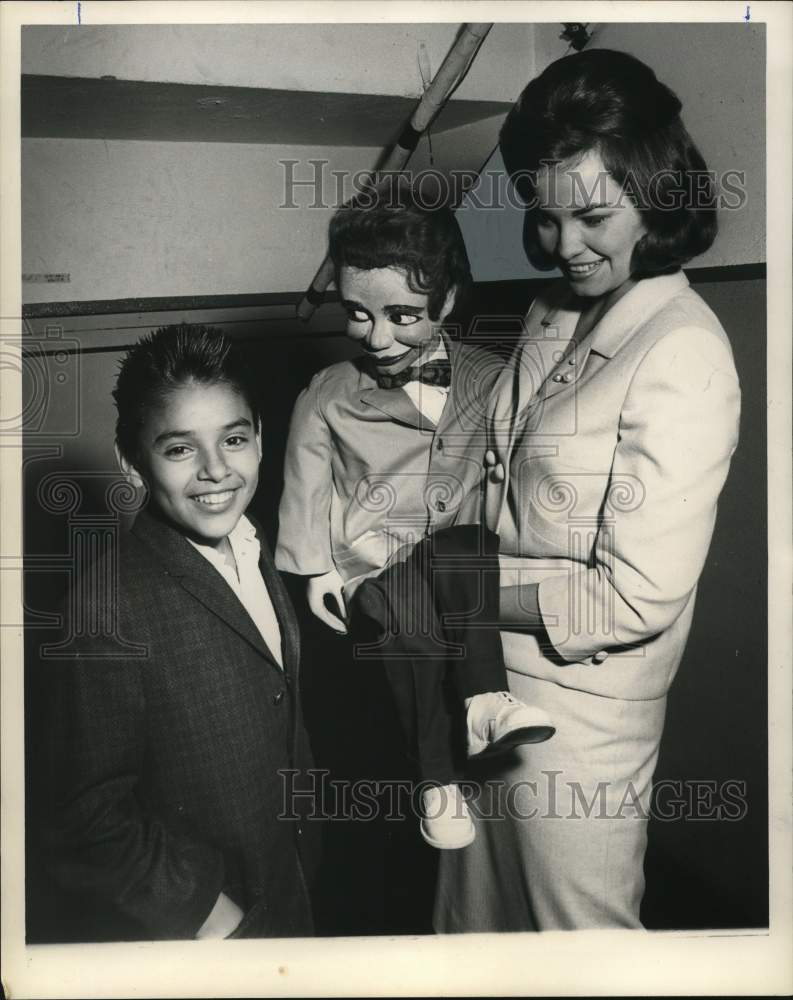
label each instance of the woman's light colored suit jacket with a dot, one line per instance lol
(615, 457)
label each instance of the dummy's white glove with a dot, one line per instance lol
(317, 589)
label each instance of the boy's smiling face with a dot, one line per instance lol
(387, 318)
(199, 454)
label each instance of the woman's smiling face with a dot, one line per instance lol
(588, 225)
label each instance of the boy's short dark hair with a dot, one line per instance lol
(395, 228)
(169, 358)
(613, 104)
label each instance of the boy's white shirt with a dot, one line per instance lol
(247, 582)
(429, 400)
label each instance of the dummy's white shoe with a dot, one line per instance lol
(447, 823)
(497, 722)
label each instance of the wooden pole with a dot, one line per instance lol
(452, 70)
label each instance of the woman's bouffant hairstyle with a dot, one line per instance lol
(395, 227)
(169, 359)
(612, 104)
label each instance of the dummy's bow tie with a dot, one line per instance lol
(432, 373)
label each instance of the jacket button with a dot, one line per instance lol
(278, 698)
(557, 378)
(440, 506)
(440, 444)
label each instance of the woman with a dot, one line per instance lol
(612, 430)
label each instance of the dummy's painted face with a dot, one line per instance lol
(389, 321)
(199, 454)
(588, 225)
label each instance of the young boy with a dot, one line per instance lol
(382, 453)
(168, 808)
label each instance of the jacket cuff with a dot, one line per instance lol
(171, 915)
(569, 634)
(287, 562)
(206, 895)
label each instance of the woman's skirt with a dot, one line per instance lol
(561, 826)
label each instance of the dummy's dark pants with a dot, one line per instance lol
(433, 615)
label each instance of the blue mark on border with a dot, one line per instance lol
(78, 12)
(748, 15)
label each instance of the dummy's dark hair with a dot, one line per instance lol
(406, 232)
(167, 359)
(612, 104)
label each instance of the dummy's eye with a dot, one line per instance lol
(357, 316)
(404, 318)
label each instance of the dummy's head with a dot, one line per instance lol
(401, 266)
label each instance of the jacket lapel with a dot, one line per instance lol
(501, 416)
(634, 309)
(529, 378)
(395, 403)
(399, 406)
(546, 355)
(282, 605)
(466, 393)
(195, 575)
(607, 337)
(516, 393)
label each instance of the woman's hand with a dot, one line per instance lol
(327, 585)
(494, 470)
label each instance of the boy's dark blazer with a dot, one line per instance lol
(169, 772)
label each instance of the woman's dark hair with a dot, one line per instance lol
(167, 359)
(612, 104)
(396, 228)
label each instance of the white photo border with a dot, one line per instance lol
(604, 963)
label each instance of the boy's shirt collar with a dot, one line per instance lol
(246, 581)
(243, 541)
